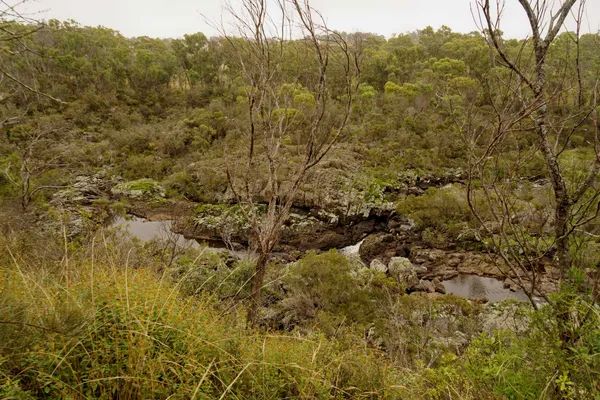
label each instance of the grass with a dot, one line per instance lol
(91, 326)
(90, 321)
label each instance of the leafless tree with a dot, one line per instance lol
(522, 103)
(290, 125)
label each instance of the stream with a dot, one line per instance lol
(468, 286)
(481, 287)
(146, 230)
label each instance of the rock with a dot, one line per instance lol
(85, 199)
(378, 266)
(142, 189)
(415, 191)
(401, 225)
(84, 191)
(325, 216)
(511, 285)
(425, 286)
(499, 316)
(383, 246)
(438, 286)
(405, 273)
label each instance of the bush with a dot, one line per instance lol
(217, 273)
(330, 289)
(140, 189)
(444, 211)
(183, 184)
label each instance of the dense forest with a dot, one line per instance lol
(322, 201)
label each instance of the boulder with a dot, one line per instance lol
(84, 191)
(425, 286)
(378, 266)
(383, 246)
(439, 286)
(405, 273)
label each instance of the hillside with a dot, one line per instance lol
(326, 215)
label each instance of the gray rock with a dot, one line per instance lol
(378, 266)
(425, 286)
(405, 272)
(439, 287)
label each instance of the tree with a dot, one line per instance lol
(527, 114)
(36, 151)
(293, 119)
(15, 28)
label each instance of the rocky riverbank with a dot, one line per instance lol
(387, 239)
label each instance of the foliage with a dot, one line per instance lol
(328, 288)
(444, 211)
(111, 331)
(140, 189)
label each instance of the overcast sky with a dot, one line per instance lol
(173, 18)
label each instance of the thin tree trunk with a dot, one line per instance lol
(257, 283)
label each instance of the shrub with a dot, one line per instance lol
(328, 288)
(140, 189)
(444, 211)
(213, 272)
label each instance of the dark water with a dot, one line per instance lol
(481, 287)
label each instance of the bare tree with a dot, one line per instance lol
(293, 121)
(522, 102)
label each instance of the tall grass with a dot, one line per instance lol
(91, 325)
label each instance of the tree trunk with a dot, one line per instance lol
(257, 283)
(562, 207)
(25, 184)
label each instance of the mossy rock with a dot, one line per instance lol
(146, 189)
(218, 219)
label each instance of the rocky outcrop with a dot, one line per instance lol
(85, 199)
(304, 230)
(384, 246)
(85, 190)
(142, 189)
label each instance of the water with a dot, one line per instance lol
(146, 230)
(481, 287)
(352, 249)
(468, 286)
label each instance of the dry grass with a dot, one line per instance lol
(92, 326)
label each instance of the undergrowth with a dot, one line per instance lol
(91, 327)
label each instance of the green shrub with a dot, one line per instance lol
(182, 183)
(213, 272)
(330, 289)
(444, 211)
(140, 189)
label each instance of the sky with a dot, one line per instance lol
(174, 18)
